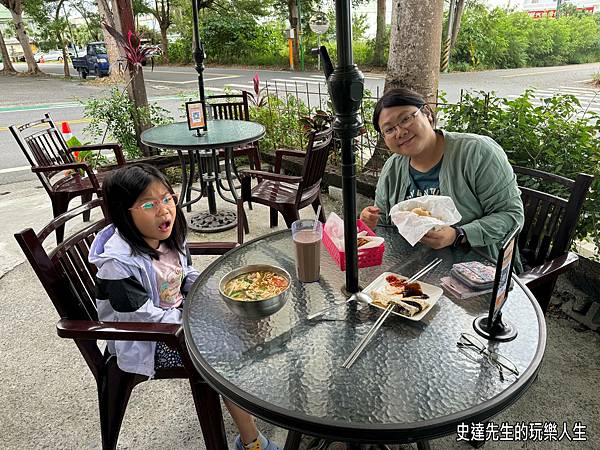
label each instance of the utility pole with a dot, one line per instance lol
(445, 63)
(558, 3)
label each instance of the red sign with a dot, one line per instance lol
(551, 13)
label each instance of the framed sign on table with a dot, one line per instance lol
(196, 116)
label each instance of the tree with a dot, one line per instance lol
(379, 34)
(415, 45)
(460, 6)
(16, 10)
(7, 66)
(414, 56)
(162, 13)
(105, 9)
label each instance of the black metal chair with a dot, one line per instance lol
(69, 281)
(547, 233)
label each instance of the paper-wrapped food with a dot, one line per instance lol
(415, 217)
(334, 227)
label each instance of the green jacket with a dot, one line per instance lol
(476, 174)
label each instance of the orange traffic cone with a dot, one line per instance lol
(66, 131)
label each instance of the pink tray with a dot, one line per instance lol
(366, 258)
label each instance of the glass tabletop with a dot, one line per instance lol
(411, 381)
(220, 133)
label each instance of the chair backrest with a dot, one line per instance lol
(65, 273)
(233, 107)
(315, 161)
(550, 219)
(43, 145)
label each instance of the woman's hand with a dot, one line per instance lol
(370, 216)
(440, 238)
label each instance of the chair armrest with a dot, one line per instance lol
(281, 152)
(548, 271)
(270, 176)
(116, 148)
(210, 248)
(71, 166)
(119, 331)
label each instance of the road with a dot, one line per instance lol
(26, 99)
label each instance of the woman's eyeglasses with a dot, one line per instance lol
(404, 122)
(471, 346)
(169, 200)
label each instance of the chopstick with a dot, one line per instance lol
(365, 340)
(324, 310)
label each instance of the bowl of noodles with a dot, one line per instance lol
(255, 291)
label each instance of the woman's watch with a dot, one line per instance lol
(461, 237)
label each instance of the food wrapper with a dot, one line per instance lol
(413, 227)
(334, 227)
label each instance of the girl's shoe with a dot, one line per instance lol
(260, 443)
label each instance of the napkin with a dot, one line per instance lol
(412, 226)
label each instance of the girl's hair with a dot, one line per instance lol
(121, 189)
(396, 97)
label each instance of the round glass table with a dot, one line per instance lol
(411, 383)
(203, 156)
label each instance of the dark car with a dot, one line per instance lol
(95, 62)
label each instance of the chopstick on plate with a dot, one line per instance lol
(365, 340)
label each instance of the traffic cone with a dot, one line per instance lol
(71, 140)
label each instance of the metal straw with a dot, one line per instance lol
(365, 340)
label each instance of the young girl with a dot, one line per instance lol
(143, 274)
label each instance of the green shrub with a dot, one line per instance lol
(180, 51)
(112, 116)
(559, 137)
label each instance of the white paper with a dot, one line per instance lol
(334, 227)
(412, 226)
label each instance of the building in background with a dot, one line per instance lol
(547, 8)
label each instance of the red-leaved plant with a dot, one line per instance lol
(258, 99)
(135, 54)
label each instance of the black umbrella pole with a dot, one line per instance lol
(349, 198)
(199, 56)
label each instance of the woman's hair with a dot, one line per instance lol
(396, 97)
(121, 189)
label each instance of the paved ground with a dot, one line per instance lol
(48, 395)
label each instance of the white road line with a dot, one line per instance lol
(286, 81)
(583, 81)
(309, 79)
(539, 73)
(245, 87)
(206, 80)
(15, 169)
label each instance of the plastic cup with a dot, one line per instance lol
(307, 234)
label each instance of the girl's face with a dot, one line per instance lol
(411, 130)
(154, 212)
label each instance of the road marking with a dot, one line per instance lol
(584, 81)
(286, 81)
(538, 73)
(15, 169)
(206, 80)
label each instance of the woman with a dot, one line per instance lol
(471, 169)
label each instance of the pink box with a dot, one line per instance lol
(366, 258)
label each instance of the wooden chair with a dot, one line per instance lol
(234, 107)
(69, 281)
(55, 165)
(288, 194)
(549, 227)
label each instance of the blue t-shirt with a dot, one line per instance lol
(424, 183)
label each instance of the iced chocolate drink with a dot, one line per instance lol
(307, 242)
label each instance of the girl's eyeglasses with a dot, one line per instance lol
(169, 200)
(404, 122)
(471, 346)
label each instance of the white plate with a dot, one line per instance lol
(434, 293)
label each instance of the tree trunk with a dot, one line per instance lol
(460, 5)
(32, 66)
(61, 41)
(165, 44)
(7, 66)
(415, 46)
(295, 25)
(380, 34)
(136, 87)
(414, 59)
(112, 50)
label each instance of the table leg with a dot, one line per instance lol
(220, 187)
(188, 193)
(229, 166)
(210, 190)
(184, 180)
(293, 440)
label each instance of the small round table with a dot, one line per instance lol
(411, 384)
(203, 152)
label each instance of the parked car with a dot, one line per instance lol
(53, 55)
(95, 61)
